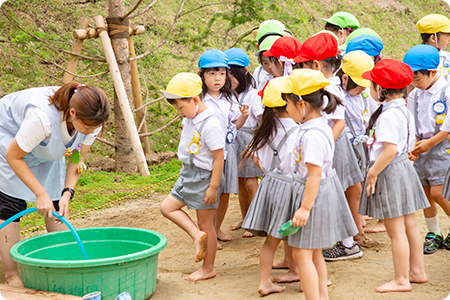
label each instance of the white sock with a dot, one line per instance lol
(433, 224)
(348, 242)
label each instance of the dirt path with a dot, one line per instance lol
(237, 264)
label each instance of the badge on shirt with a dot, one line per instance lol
(439, 107)
(230, 136)
(296, 153)
(371, 138)
(194, 147)
(440, 119)
(366, 116)
(444, 71)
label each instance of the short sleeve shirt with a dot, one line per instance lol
(256, 108)
(334, 88)
(355, 107)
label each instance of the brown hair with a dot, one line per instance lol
(90, 102)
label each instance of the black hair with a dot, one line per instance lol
(226, 90)
(244, 78)
(426, 36)
(261, 39)
(187, 99)
(384, 93)
(275, 60)
(332, 27)
(423, 72)
(332, 63)
(265, 132)
(376, 59)
(350, 83)
(316, 100)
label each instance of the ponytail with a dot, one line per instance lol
(333, 102)
(90, 103)
(316, 99)
(264, 133)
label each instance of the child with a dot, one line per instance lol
(271, 147)
(320, 52)
(318, 203)
(435, 31)
(392, 190)
(342, 24)
(244, 84)
(219, 95)
(201, 150)
(282, 54)
(427, 104)
(267, 32)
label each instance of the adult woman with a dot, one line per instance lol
(38, 126)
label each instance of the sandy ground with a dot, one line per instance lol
(237, 264)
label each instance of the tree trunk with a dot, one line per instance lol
(124, 157)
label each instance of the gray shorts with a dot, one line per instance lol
(432, 165)
(191, 187)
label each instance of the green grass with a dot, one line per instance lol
(100, 187)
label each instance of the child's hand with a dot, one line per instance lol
(244, 110)
(210, 196)
(421, 147)
(370, 183)
(300, 217)
(412, 157)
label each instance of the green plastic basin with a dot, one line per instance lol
(121, 259)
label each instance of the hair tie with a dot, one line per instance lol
(288, 63)
(78, 86)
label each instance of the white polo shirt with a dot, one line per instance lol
(316, 148)
(426, 117)
(261, 77)
(256, 108)
(334, 88)
(354, 105)
(391, 127)
(212, 138)
(444, 61)
(265, 154)
(36, 127)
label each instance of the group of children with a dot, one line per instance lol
(332, 129)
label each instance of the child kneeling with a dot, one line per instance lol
(201, 152)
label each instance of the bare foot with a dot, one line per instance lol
(236, 225)
(14, 281)
(363, 222)
(270, 288)
(201, 275)
(328, 284)
(248, 234)
(394, 286)
(287, 278)
(365, 241)
(284, 264)
(379, 227)
(367, 218)
(200, 246)
(417, 278)
(223, 237)
(219, 246)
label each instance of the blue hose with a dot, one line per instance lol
(61, 218)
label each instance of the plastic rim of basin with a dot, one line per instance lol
(288, 229)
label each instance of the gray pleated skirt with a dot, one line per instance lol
(230, 171)
(249, 169)
(265, 214)
(362, 156)
(398, 192)
(432, 165)
(330, 219)
(446, 188)
(345, 162)
(191, 186)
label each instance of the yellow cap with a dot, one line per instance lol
(302, 82)
(354, 64)
(434, 23)
(183, 85)
(271, 96)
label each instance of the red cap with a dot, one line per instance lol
(390, 74)
(286, 46)
(318, 47)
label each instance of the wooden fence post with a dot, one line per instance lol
(77, 44)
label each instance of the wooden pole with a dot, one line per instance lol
(136, 89)
(77, 44)
(122, 96)
(92, 33)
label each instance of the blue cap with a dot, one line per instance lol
(422, 57)
(237, 57)
(213, 59)
(367, 43)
